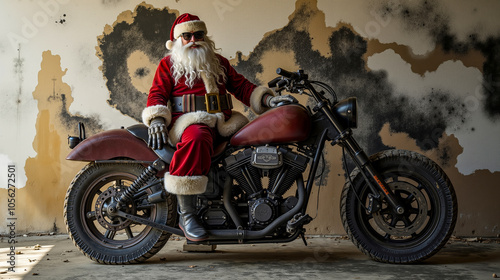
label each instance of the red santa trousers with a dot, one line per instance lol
(191, 161)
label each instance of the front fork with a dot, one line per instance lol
(371, 176)
(359, 157)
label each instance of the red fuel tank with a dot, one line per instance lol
(285, 124)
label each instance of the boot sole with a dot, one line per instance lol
(193, 239)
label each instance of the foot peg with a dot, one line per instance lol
(297, 221)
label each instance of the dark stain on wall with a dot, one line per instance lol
(148, 33)
(70, 121)
(62, 19)
(430, 17)
(18, 70)
(141, 72)
(491, 85)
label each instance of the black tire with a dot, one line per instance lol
(427, 195)
(114, 240)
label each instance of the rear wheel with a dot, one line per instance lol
(425, 192)
(111, 239)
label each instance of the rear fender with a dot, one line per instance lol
(118, 143)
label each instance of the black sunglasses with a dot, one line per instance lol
(198, 35)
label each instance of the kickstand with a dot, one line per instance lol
(303, 238)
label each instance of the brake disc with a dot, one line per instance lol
(416, 220)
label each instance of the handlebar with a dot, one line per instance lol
(296, 82)
(274, 82)
(297, 76)
(287, 74)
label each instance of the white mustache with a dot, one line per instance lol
(200, 44)
(188, 44)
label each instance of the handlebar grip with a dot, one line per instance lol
(282, 83)
(274, 82)
(287, 74)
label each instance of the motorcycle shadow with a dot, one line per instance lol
(318, 250)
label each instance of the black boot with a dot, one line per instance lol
(188, 221)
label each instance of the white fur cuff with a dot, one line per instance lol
(188, 119)
(256, 99)
(185, 185)
(151, 112)
(233, 124)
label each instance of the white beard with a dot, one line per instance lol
(190, 62)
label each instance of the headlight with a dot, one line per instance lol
(347, 112)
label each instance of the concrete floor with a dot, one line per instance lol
(56, 257)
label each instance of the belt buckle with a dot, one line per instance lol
(208, 102)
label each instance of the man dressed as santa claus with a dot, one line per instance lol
(189, 106)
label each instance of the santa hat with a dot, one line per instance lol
(185, 23)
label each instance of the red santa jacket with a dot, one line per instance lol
(227, 123)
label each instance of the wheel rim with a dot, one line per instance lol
(112, 231)
(418, 196)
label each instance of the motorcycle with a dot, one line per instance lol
(397, 206)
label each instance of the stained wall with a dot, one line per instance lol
(426, 75)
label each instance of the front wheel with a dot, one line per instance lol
(427, 195)
(112, 239)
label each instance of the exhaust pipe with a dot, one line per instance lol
(240, 234)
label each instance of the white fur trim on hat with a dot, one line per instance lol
(256, 99)
(185, 185)
(189, 26)
(151, 112)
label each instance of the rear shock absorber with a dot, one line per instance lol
(150, 171)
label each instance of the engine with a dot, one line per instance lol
(280, 165)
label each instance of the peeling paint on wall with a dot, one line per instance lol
(429, 62)
(429, 17)
(130, 51)
(49, 174)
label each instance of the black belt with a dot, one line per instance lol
(210, 102)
